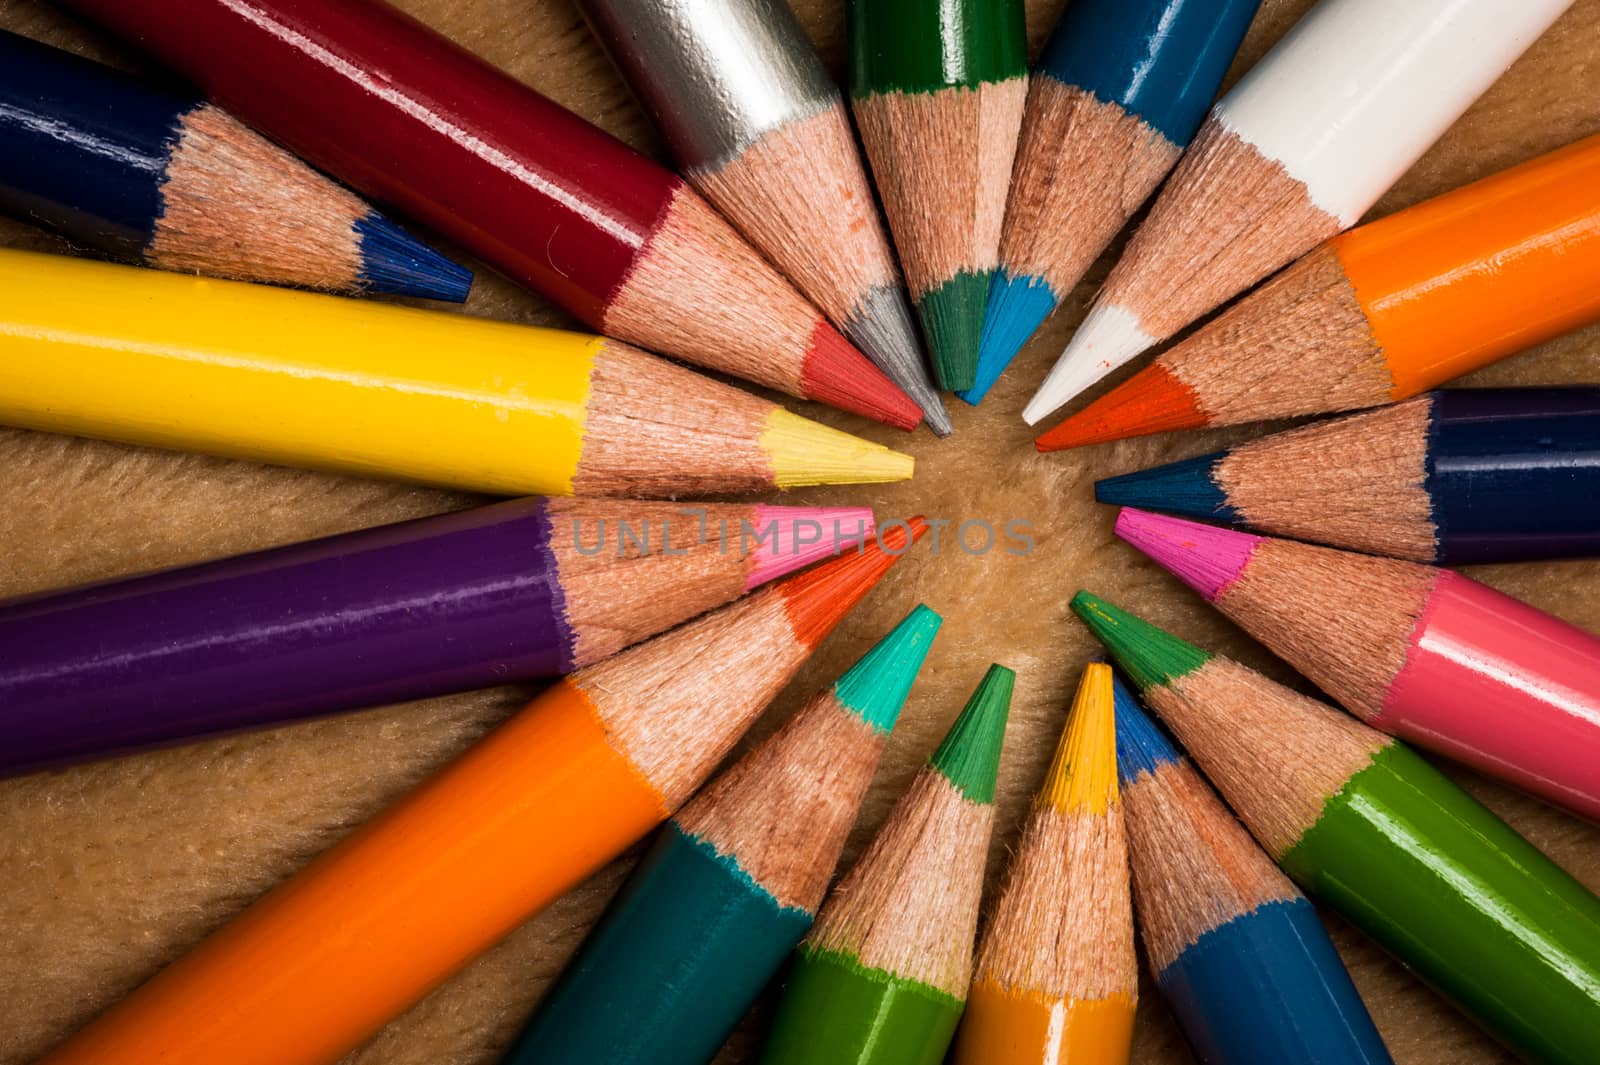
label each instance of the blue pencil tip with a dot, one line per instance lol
(1017, 307)
(398, 264)
(1141, 745)
(1187, 488)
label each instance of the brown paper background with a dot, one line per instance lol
(109, 871)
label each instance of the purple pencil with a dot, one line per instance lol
(519, 590)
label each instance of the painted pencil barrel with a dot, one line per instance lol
(252, 372)
(1008, 1027)
(836, 1012)
(94, 168)
(1159, 60)
(318, 964)
(1268, 986)
(1467, 278)
(1422, 63)
(1503, 686)
(1515, 473)
(366, 92)
(406, 611)
(716, 74)
(673, 964)
(1462, 900)
(916, 46)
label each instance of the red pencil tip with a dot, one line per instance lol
(1151, 401)
(819, 598)
(837, 374)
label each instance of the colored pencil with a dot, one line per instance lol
(1423, 653)
(759, 128)
(730, 884)
(938, 88)
(252, 372)
(1385, 311)
(1238, 952)
(1290, 156)
(520, 590)
(1056, 979)
(399, 112)
(881, 977)
(1369, 828)
(600, 758)
(1477, 475)
(1116, 95)
(170, 181)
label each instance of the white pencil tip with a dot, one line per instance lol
(1108, 338)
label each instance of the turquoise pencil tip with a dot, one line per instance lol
(395, 263)
(1017, 308)
(969, 757)
(1188, 488)
(875, 688)
(1148, 655)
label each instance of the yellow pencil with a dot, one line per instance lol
(1057, 980)
(252, 372)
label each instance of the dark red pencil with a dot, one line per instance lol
(384, 103)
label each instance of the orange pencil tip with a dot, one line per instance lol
(837, 374)
(1151, 401)
(819, 598)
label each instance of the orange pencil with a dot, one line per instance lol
(1385, 311)
(1057, 981)
(319, 964)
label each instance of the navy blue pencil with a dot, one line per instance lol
(1236, 949)
(1451, 477)
(152, 177)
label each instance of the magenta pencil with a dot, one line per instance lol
(1416, 651)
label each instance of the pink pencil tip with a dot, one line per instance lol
(1205, 557)
(789, 538)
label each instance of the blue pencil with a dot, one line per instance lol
(1450, 477)
(1121, 87)
(1236, 949)
(170, 181)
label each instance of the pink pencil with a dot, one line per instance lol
(1420, 652)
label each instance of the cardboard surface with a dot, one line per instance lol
(111, 870)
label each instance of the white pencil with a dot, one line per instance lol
(1296, 152)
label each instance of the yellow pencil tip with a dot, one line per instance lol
(1083, 774)
(805, 452)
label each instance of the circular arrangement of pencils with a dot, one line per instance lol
(386, 681)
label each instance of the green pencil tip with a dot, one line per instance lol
(952, 317)
(875, 688)
(1148, 655)
(969, 757)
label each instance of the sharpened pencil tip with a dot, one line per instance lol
(881, 326)
(1108, 338)
(791, 538)
(820, 597)
(1083, 774)
(1151, 401)
(876, 687)
(952, 316)
(1205, 557)
(1188, 487)
(395, 263)
(1141, 745)
(835, 373)
(804, 452)
(969, 757)
(1148, 655)
(1017, 308)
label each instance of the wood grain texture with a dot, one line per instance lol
(113, 869)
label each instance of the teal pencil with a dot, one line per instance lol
(730, 884)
